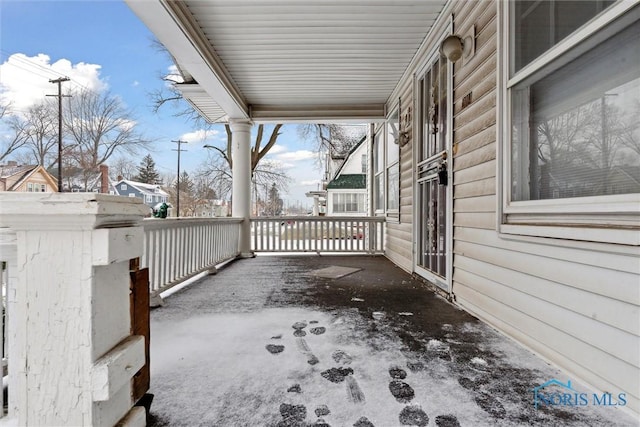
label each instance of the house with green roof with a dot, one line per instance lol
(347, 191)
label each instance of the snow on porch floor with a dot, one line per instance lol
(266, 342)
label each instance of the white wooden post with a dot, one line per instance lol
(71, 353)
(241, 203)
(8, 254)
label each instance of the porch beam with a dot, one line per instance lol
(241, 175)
(340, 114)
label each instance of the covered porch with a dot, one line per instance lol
(346, 340)
(392, 351)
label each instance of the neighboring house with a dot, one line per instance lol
(151, 194)
(347, 190)
(212, 208)
(80, 181)
(27, 178)
(488, 119)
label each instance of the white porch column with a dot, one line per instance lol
(316, 205)
(71, 355)
(241, 196)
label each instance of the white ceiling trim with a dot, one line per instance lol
(160, 17)
(292, 60)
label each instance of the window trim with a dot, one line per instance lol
(379, 131)
(395, 212)
(596, 218)
(342, 193)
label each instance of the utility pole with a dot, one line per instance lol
(179, 149)
(59, 95)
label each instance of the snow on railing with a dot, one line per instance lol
(318, 234)
(176, 249)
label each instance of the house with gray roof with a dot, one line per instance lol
(151, 194)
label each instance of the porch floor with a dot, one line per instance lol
(270, 341)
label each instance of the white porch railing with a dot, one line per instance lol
(176, 249)
(318, 234)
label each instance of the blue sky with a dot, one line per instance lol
(103, 45)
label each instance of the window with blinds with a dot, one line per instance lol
(575, 119)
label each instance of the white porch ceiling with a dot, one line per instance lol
(290, 60)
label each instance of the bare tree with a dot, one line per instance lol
(217, 172)
(217, 168)
(336, 139)
(630, 134)
(17, 131)
(99, 126)
(123, 166)
(42, 133)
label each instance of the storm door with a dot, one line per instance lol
(433, 154)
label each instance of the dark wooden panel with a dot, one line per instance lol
(140, 325)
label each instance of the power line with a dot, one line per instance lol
(179, 149)
(59, 81)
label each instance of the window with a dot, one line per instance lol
(364, 164)
(392, 162)
(132, 195)
(30, 187)
(348, 203)
(43, 188)
(378, 172)
(123, 186)
(148, 198)
(574, 130)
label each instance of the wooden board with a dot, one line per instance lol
(140, 325)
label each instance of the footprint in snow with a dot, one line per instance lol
(274, 348)
(292, 415)
(363, 422)
(413, 415)
(336, 375)
(304, 348)
(354, 392)
(322, 410)
(299, 325)
(402, 391)
(294, 389)
(447, 421)
(397, 373)
(342, 357)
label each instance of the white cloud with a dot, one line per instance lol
(295, 156)
(24, 80)
(127, 124)
(200, 135)
(135, 83)
(310, 182)
(277, 149)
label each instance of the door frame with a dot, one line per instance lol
(445, 283)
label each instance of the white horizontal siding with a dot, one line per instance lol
(575, 303)
(580, 359)
(398, 246)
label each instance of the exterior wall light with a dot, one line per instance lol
(455, 47)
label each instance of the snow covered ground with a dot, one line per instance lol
(265, 343)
